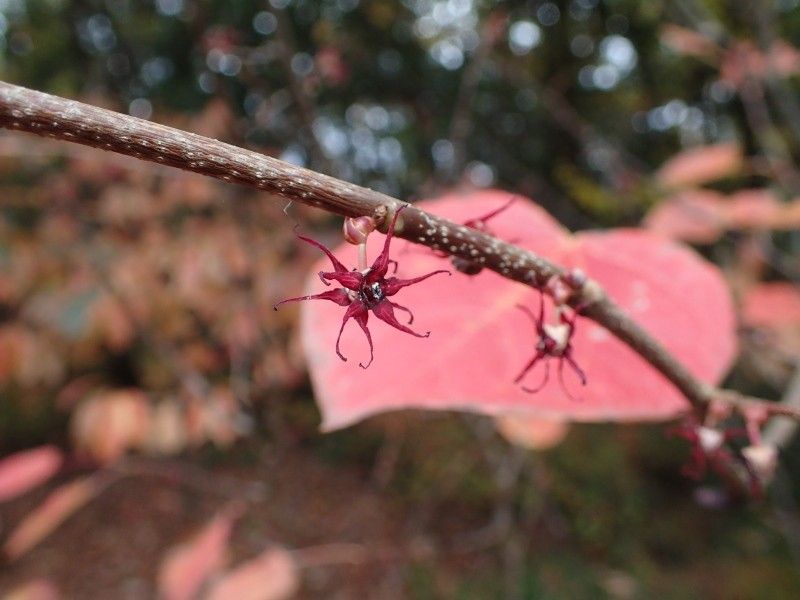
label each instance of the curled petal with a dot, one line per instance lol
(381, 264)
(338, 295)
(383, 310)
(581, 375)
(479, 223)
(544, 380)
(577, 369)
(349, 279)
(337, 266)
(361, 319)
(394, 285)
(537, 357)
(354, 310)
(404, 309)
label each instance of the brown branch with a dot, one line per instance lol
(46, 115)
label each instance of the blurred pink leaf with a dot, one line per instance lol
(691, 215)
(753, 209)
(36, 589)
(772, 305)
(532, 432)
(701, 165)
(743, 60)
(25, 470)
(702, 216)
(480, 340)
(687, 41)
(270, 576)
(187, 566)
(56, 508)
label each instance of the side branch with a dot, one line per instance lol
(42, 114)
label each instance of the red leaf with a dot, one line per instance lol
(480, 341)
(270, 576)
(189, 565)
(56, 508)
(25, 470)
(700, 165)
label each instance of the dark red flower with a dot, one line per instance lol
(554, 341)
(365, 291)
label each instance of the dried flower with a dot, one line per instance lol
(365, 291)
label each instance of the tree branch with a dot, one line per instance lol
(42, 114)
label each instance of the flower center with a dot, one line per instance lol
(371, 294)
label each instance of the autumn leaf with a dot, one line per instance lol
(270, 576)
(701, 165)
(55, 509)
(480, 340)
(25, 470)
(187, 566)
(532, 432)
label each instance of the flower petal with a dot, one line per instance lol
(351, 279)
(337, 266)
(355, 309)
(381, 264)
(338, 295)
(361, 319)
(383, 310)
(394, 285)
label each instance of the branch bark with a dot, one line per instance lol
(45, 115)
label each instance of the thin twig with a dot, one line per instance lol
(35, 112)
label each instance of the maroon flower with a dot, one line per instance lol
(554, 341)
(364, 291)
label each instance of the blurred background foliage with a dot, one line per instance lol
(136, 303)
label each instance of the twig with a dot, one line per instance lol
(35, 112)
(780, 433)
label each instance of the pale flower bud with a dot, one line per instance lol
(356, 229)
(710, 439)
(763, 460)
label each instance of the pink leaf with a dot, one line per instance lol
(692, 215)
(480, 340)
(36, 589)
(772, 305)
(686, 41)
(532, 432)
(753, 209)
(189, 565)
(56, 508)
(701, 165)
(25, 470)
(270, 576)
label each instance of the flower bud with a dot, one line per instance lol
(356, 229)
(575, 278)
(710, 439)
(763, 460)
(558, 290)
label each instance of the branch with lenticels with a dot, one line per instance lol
(45, 115)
